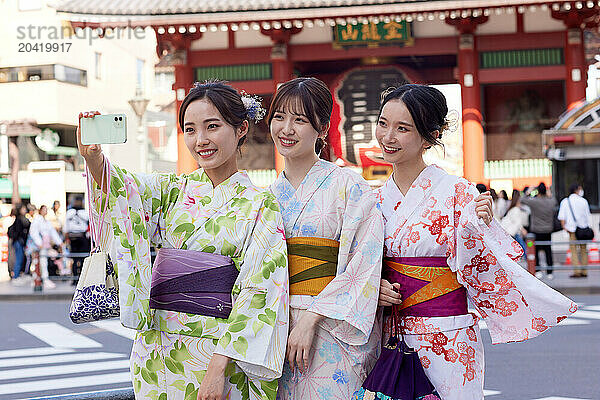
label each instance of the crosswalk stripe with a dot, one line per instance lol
(58, 359)
(560, 398)
(37, 351)
(83, 394)
(490, 392)
(568, 321)
(57, 335)
(573, 321)
(64, 383)
(114, 326)
(63, 369)
(587, 314)
(592, 308)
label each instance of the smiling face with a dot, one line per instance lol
(397, 135)
(211, 141)
(291, 130)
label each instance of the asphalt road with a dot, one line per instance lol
(40, 349)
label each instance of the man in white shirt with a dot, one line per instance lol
(574, 212)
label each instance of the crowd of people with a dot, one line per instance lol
(47, 236)
(534, 210)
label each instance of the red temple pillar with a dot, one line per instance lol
(178, 44)
(576, 69)
(184, 79)
(468, 70)
(282, 69)
(282, 72)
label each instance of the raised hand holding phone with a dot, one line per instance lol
(104, 129)
(92, 153)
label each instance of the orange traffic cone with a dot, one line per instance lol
(568, 260)
(4, 246)
(593, 254)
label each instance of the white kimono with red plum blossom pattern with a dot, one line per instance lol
(437, 218)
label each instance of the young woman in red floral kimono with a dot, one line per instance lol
(438, 254)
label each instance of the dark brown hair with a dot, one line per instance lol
(516, 196)
(225, 98)
(427, 107)
(308, 96)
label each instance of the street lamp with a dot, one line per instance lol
(139, 104)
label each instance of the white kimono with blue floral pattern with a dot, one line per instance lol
(336, 203)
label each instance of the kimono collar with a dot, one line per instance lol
(314, 178)
(394, 202)
(224, 191)
(293, 201)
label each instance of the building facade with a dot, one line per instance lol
(519, 65)
(49, 73)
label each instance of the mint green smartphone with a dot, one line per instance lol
(104, 129)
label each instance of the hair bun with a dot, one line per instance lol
(253, 106)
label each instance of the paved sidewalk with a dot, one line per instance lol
(64, 290)
(23, 291)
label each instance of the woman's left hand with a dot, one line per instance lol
(300, 340)
(483, 207)
(213, 384)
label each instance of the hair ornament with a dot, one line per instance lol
(254, 107)
(386, 92)
(451, 122)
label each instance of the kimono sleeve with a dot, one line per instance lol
(136, 203)
(258, 325)
(350, 299)
(514, 304)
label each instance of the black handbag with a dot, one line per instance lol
(556, 224)
(586, 233)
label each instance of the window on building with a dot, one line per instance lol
(140, 64)
(70, 75)
(98, 65)
(163, 81)
(47, 72)
(586, 172)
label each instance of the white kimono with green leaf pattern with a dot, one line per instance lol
(171, 351)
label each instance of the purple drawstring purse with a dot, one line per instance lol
(193, 282)
(398, 373)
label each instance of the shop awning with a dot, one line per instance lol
(6, 189)
(19, 128)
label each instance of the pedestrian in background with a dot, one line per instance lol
(501, 205)
(17, 233)
(515, 220)
(574, 212)
(481, 187)
(542, 223)
(56, 217)
(76, 234)
(42, 236)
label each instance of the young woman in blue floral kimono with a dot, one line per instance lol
(212, 312)
(335, 239)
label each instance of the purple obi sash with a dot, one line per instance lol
(429, 288)
(193, 282)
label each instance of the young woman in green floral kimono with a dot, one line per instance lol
(217, 210)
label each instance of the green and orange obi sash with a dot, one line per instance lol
(429, 287)
(312, 263)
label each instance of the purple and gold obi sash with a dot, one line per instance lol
(193, 282)
(429, 287)
(312, 264)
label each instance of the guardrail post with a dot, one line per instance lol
(530, 240)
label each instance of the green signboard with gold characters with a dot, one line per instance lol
(373, 34)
